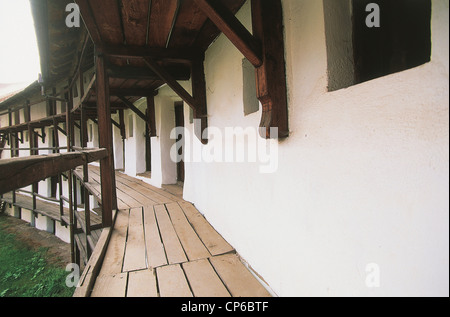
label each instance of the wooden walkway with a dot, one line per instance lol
(161, 246)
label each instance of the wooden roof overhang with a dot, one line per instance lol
(145, 44)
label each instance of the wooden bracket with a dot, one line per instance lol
(271, 88)
(265, 50)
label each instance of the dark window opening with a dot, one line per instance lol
(402, 41)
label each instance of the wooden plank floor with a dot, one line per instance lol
(161, 246)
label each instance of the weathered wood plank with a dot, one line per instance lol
(93, 266)
(134, 16)
(134, 258)
(192, 245)
(156, 255)
(172, 282)
(123, 195)
(174, 250)
(158, 195)
(89, 20)
(113, 260)
(210, 237)
(238, 279)
(189, 21)
(110, 286)
(142, 284)
(161, 18)
(107, 18)
(203, 279)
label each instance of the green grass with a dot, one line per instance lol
(25, 272)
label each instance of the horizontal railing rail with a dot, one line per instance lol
(20, 172)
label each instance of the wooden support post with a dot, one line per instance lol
(267, 17)
(84, 129)
(122, 124)
(151, 120)
(70, 143)
(199, 94)
(107, 173)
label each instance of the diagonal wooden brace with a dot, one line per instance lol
(198, 101)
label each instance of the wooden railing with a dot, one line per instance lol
(16, 173)
(23, 171)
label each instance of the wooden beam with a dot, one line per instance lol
(171, 82)
(267, 17)
(157, 53)
(133, 108)
(107, 173)
(131, 92)
(178, 71)
(19, 172)
(227, 22)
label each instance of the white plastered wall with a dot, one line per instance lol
(164, 170)
(362, 178)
